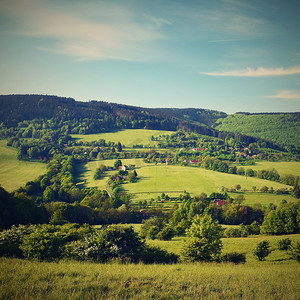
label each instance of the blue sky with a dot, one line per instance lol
(228, 55)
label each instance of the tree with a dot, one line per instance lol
(262, 250)
(117, 164)
(204, 239)
(119, 147)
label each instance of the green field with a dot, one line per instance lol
(276, 278)
(173, 180)
(15, 173)
(282, 167)
(128, 137)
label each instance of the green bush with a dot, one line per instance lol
(166, 234)
(11, 239)
(294, 251)
(233, 257)
(262, 250)
(151, 255)
(284, 244)
(234, 232)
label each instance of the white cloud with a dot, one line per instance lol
(85, 31)
(259, 72)
(286, 94)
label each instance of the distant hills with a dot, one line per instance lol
(282, 129)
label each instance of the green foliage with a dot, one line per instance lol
(166, 234)
(98, 174)
(294, 251)
(235, 232)
(233, 257)
(284, 244)
(285, 219)
(282, 127)
(11, 239)
(262, 250)
(157, 255)
(148, 225)
(117, 164)
(204, 239)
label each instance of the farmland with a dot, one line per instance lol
(125, 137)
(173, 180)
(15, 173)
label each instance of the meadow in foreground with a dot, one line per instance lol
(22, 279)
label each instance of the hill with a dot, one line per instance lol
(99, 116)
(282, 128)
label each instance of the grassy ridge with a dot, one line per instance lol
(127, 137)
(280, 128)
(15, 173)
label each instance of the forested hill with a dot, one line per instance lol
(282, 128)
(99, 116)
(102, 116)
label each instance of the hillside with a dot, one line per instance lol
(100, 116)
(282, 128)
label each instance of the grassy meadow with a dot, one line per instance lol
(275, 278)
(283, 167)
(15, 173)
(173, 180)
(127, 137)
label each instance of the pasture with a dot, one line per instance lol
(174, 180)
(283, 167)
(127, 137)
(15, 173)
(276, 278)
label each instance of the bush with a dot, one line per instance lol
(153, 231)
(234, 232)
(294, 251)
(284, 244)
(166, 234)
(233, 257)
(152, 255)
(92, 248)
(11, 239)
(262, 250)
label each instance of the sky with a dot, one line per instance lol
(226, 55)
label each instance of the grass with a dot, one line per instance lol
(173, 180)
(127, 137)
(282, 167)
(276, 278)
(15, 173)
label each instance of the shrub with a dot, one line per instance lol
(262, 250)
(11, 239)
(166, 234)
(234, 232)
(294, 251)
(152, 255)
(92, 248)
(284, 244)
(153, 231)
(233, 257)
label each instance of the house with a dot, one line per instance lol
(220, 202)
(123, 168)
(194, 161)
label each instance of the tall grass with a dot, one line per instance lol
(73, 280)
